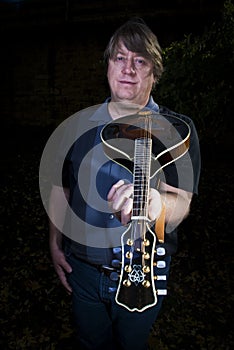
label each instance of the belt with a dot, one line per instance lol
(112, 272)
(109, 271)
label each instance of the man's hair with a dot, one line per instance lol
(137, 37)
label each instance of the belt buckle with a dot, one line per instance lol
(111, 272)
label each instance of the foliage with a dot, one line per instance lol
(197, 313)
(198, 79)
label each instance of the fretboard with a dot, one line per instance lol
(141, 178)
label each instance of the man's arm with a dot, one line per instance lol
(177, 203)
(57, 211)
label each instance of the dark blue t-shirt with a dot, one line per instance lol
(93, 229)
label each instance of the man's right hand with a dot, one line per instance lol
(61, 266)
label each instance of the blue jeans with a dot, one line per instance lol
(101, 323)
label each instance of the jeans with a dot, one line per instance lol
(101, 323)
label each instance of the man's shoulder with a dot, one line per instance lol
(168, 111)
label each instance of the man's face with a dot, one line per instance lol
(130, 77)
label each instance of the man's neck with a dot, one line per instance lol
(121, 109)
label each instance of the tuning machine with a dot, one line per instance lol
(146, 269)
(146, 283)
(126, 283)
(161, 264)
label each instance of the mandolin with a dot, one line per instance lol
(143, 143)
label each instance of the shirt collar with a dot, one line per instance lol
(152, 105)
(102, 114)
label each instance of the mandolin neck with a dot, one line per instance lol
(141, 178)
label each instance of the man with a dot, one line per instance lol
(85, 251)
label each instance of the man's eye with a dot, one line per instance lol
(119, 58)
(139, 61)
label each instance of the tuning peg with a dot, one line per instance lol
(126, 283)
(114, 276)
(130, 242)
(146, 242)
(161, 291)
(146, 255)
(146, 284)
(117, 250)
(128, 268)
(116, 263)
(128, 255)
(160, 264)
(160, 277)
(160, 251)
(146, 269)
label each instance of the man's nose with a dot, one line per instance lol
(129, 66)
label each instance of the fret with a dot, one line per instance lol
(142, 156)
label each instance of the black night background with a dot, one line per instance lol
(50, 67)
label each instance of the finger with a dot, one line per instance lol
(119, 200)
(61, 262)
(118, 203)
(63, 279)
(126, 211)
(123, 192)
(66, 267)
(66, 284)
(114, 189)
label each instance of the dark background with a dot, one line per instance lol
(50, 67)
(51, 50)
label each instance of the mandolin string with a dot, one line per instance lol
(143, 173)
(144, 164)
(147, 168)
(143, 184)
(142, 154)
